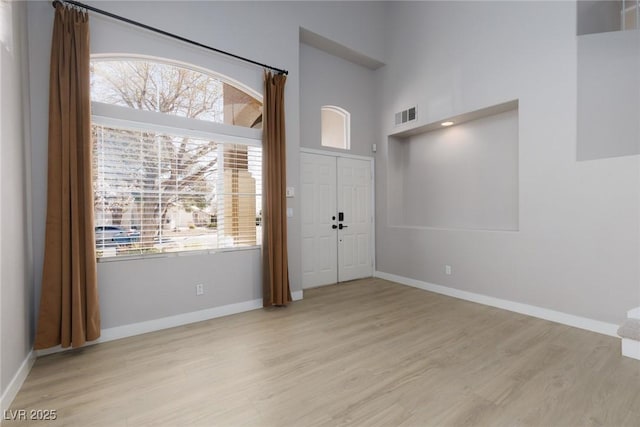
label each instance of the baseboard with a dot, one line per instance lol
(631, 348)
(530, 310)
(634, 314)
(125, 331)
(16, 383)
(297, 295)
(134, 329)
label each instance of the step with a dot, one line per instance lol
(630, 333)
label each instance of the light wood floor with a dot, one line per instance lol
(369, 353)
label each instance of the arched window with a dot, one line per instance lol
(175, 89)
(177, 158)
(336, 127)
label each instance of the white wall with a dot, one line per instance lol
(608, 95)
(16, 292)
(598, 16)
(140, 290)
(577, 248)
(328, 80)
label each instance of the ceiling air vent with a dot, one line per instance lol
(405, 116)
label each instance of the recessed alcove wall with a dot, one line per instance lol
(608, 74)
(608, 95)
(598, 16)
(460, 177)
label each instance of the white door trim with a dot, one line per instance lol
(335, 154)
(373, 189)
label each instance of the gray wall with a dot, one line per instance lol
(576, 250)
(16, 292)
(608, 95)
(464, 176)
(598, 16)
(267, 32)
(328, 80)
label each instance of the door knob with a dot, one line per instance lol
(341, 226)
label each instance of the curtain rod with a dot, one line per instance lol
(165, 33)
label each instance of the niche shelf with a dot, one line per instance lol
(460, 177)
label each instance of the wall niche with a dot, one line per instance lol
(464, 176)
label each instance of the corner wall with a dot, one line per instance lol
(16, 289)
(576, 250)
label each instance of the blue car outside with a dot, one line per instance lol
(112, 235)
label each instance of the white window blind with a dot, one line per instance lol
(157, 192)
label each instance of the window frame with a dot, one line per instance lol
(103, 114)
(177, 63)
(119, 116)
(346, 116)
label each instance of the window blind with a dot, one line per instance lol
(157, 192)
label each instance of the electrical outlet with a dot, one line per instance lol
(447, 270)
(199, 289)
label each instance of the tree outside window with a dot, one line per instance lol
(165, 191)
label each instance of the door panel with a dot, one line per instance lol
(319, 239)
(354, 199)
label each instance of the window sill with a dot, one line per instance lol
(176, 254)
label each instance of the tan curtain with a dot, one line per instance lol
(274, 212)
(69, 311)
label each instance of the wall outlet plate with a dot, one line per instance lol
(199, 289)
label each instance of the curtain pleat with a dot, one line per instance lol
(274, 213)
(69, 311)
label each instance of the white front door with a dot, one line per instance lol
(355, 219)
(319, 238)
(336, 219)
